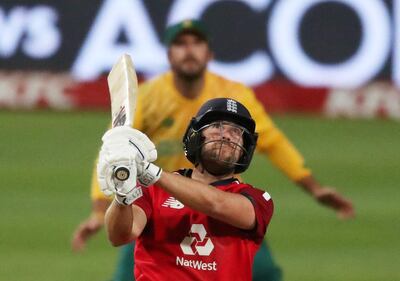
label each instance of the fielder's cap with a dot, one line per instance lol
(189, 25)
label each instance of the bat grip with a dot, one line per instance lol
(121, 173)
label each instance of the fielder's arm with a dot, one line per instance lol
(328, 197)
(284, 155)
(90, 226)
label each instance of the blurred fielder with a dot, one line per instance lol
(165, 106)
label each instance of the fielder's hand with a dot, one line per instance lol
(84, 231)
(328, 196)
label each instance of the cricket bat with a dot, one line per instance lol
(123, 87)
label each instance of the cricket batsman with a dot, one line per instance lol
(165, 106)
(217, 223)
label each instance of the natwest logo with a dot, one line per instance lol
(197, 242)
(199, 265)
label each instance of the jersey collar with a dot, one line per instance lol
(188, 173)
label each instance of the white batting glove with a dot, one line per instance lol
(126, 191)
(111, 156)
(147, 173)
(138, 142)
(128, 198)
(123, 146)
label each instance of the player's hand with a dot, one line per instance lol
(147, 173)
(331, 198)
(121, 145)
(137, 141)
(112, 156)
(84, 231)
(139, 146)
(119, 151)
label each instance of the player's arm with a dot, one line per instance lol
(90, 226)
(234, 209)
(121, 146)
(231, 208)
(124, 223)
(286, 157)
(100, 202)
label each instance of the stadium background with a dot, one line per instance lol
(329, 71)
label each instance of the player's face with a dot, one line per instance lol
(223, 145)
(188, 56)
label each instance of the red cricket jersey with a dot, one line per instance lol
(179, 243)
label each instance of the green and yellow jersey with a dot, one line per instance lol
(163, 114)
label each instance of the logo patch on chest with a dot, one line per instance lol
(171, 202)
(197, 242)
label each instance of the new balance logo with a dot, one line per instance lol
(171, 202)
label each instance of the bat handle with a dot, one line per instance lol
(121, 173)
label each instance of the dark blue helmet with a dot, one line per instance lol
(221, 109)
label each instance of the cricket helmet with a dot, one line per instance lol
(221, 109)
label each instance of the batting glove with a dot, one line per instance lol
(114, 155)
(128, 198)
(138, 142)
(147, 173)
(126, 192)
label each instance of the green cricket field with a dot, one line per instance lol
(46, 159)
